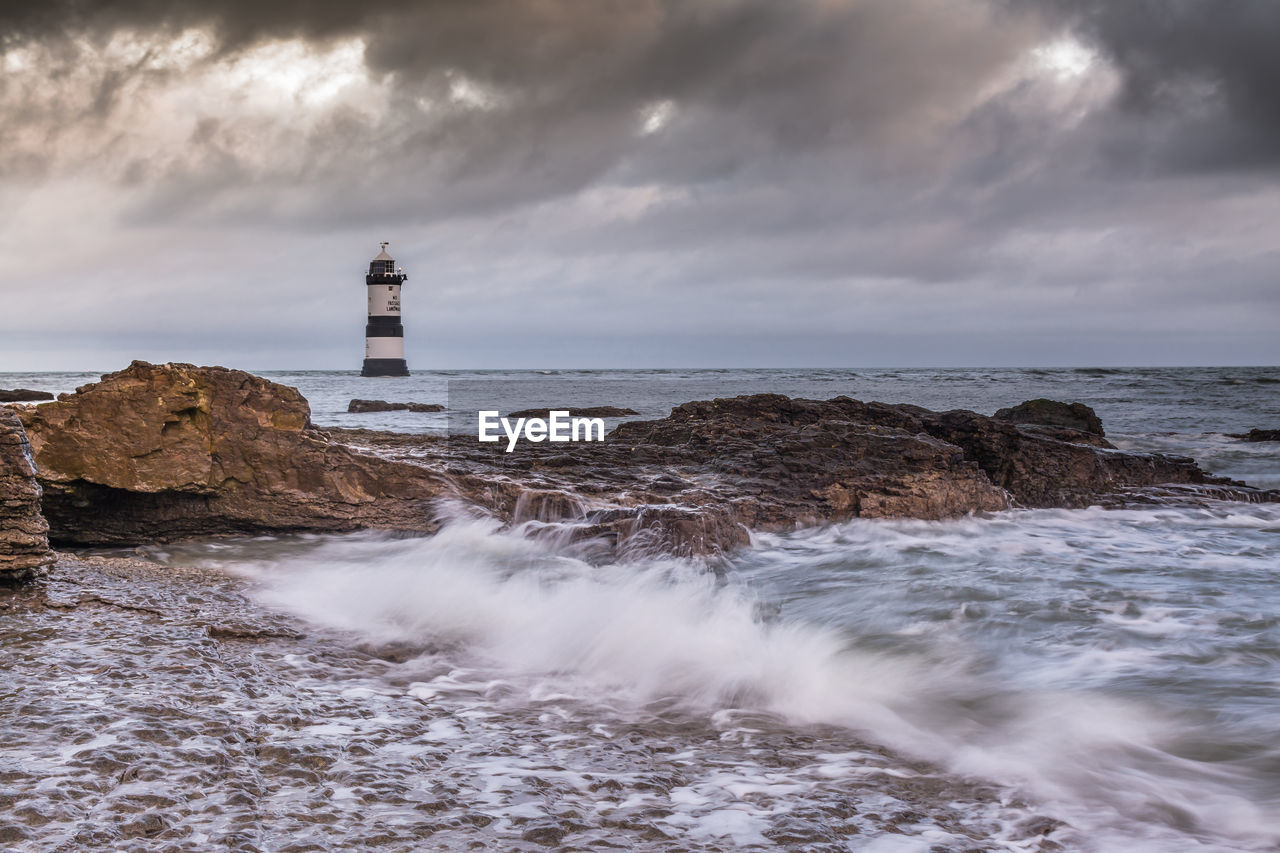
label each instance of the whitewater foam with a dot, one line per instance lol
(1052, 718)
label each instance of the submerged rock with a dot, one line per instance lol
(24, 542)
(361, 406)
(156, 452)
(23, 395)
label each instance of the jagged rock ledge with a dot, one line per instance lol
(171, 451)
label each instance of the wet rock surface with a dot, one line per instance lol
(23, 395)
(24, 542)
(156, 452)
(1044, 467)
(694, 482)
(132, 721)
(362, 406)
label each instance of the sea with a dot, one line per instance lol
(1031, 680)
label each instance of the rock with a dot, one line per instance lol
(694, 482)
(1051, 413)
(24, 543)
(682, 532)
(23, 395)
(781, 461)
(158, 452)
(1054, 469)
(163, 452)
(588, 412)
(1258, 435)
(548, 832)
(361, 406)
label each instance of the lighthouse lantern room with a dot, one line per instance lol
(384, 335)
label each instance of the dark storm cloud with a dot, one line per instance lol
(748, 80)
(1200, 79)
(237, 22)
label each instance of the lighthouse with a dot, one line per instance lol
(384, 336)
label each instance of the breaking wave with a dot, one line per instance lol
(1050, 651)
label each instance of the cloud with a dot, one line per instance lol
(1200, 80)
(468, 106)
(894, 168)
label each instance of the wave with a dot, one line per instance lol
(623, 637)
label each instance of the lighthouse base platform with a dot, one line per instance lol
(385, 367)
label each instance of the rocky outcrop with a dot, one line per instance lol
(162, 452)
(157, 452)
(1053, 466)
(24, 543)
(1076, 416)
(782, 461)
(902, 463)
(588, 412)
(23, 395)
(362, 406)
(695, 481)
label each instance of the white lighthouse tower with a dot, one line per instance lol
(384, 335)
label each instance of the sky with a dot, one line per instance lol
(641, 183)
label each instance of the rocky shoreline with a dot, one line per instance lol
(158, 453)
(497, 691)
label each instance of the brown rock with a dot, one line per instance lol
(161, 452)
(156, 452)
(1055, 469)
(361, 406)
(24, 543)
(23, 395)
(694, 482)
(1051, 413)
(784, 461)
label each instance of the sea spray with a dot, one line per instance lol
(1002, 648)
